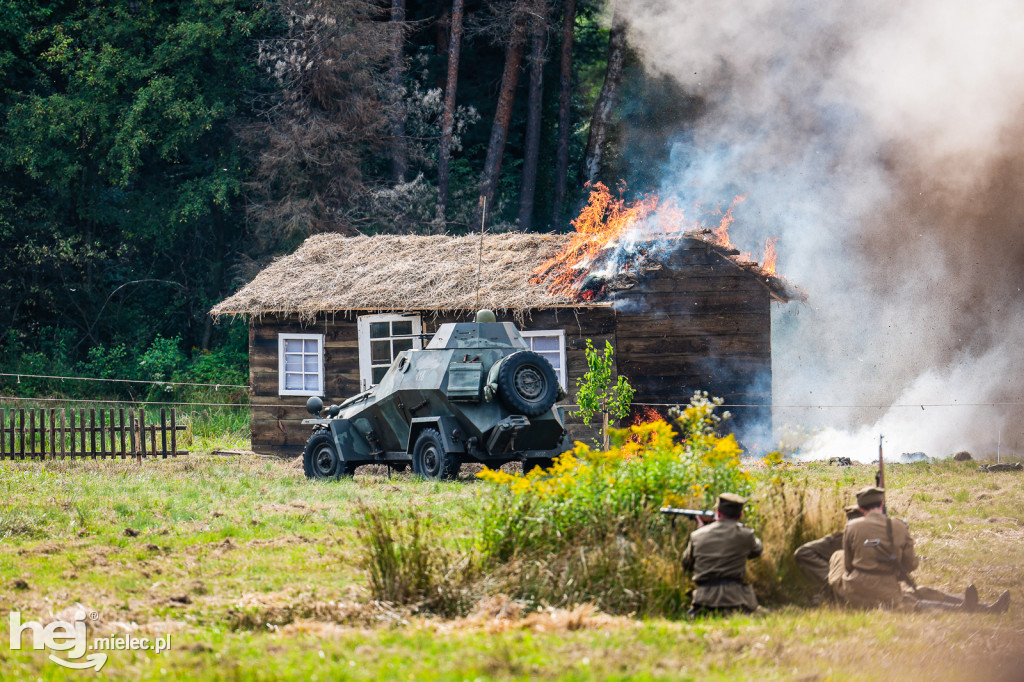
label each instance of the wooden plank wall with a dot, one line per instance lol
(702, 323)
(276, 419)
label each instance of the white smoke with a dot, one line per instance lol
(882, 143)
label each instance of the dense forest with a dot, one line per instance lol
(157, 153)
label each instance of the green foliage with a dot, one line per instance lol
(595, 392)
(121, 181)
(591, 523)
(162, 360)
(406, 564)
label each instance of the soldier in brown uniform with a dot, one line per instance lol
(878, 552)
(717, 554)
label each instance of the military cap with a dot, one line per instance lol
(730, 504)
(852, 512)
(870, 497)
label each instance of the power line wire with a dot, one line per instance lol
(118, 402)
(121, 381)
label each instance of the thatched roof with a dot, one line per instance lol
(332, 273)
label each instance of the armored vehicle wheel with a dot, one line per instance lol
(527, 383)
(431, 460)
(320, 459)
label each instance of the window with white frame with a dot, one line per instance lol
(550, 344)
(300, 364)
(381, 339)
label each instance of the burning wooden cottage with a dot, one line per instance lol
(683, 313)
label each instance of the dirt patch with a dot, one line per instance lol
(499, 613)
(275, 610)
(280, 541)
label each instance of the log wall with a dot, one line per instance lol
(702, 323)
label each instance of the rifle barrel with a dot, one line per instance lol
(688, 513)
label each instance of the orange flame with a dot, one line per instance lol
(721, 233)
(601, 222)
(770, 256)
(645, 415)
(606, 219)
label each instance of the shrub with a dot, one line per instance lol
(790, 513)
(587, 529)
(407, 563)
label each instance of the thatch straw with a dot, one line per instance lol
(331, 273)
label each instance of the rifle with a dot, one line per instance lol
(708, 516)
(880, 474)
(880, 482)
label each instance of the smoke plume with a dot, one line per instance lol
(881, 142)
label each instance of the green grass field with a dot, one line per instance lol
(255, 574)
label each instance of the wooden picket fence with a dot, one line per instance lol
(49, 434)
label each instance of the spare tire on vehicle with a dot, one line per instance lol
(527, 383)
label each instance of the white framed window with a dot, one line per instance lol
(300, 366)
(551, 344)
(381, 339)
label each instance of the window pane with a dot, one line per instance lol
(293, 345)
(403, 328)
(310, 364)
(553, 358)
(380, 351)
(400, 345)
(312, 383)
(542, 343)
(379, 330)
(292, 362)
(378, 374)
(293, 382)
(311, 346)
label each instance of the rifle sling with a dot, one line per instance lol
(897, 557)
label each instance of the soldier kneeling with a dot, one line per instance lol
(877, 554)
(717, 554)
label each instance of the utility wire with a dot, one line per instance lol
(120, 381)
(143, 402)
(118, 402)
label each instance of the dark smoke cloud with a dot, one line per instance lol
(882, 143)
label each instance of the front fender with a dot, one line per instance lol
(351, 445)
(445, 425)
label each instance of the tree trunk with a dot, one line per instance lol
(605, 437)
(564, 111)
(499, 129)
(399, 148)
(448, 115)
(531, 153)
(607, 100)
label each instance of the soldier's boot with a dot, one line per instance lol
(971, 597)
(1001, 605)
